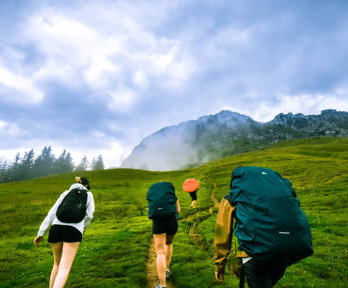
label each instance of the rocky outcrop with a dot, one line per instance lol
(195, 142)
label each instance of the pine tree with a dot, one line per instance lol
(26, 165)
(3, 172)
(83, 164)
(13, 171)
(98, 164)
(63, 163)
(44, 164)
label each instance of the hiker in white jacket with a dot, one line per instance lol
(64, 237)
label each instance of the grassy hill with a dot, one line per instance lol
(115, 248)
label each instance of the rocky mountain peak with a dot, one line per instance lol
(210, 137)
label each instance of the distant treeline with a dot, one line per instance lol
(28, 167)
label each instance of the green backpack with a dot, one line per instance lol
(161, 200)
(269, 222)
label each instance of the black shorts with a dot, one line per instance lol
(193, 195)
(168, 225)
(64, 233)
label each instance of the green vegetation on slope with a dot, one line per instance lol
(115, 247)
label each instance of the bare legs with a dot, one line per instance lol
(64, 254)
(169, 254)
(160, 245)
(57, 249)
(164, 251)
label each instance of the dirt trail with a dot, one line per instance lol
(197, 238)
(212, 196)
(151, 269)
(334, 178)
(152, 278)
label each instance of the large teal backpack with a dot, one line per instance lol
(161, 200)
(269, 222)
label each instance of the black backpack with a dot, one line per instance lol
(73, 207)
(162, 200)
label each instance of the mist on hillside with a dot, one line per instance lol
(211, 137)
(162, 152)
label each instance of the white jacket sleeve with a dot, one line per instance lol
(89, 211)
(51, 215)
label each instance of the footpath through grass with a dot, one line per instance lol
(115, 248)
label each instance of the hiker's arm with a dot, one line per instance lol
(223, 236)
(90, 210)
(177, 206)
(50, 216)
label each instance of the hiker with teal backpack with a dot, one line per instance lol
(69, 217)
(163, 209)
(263, 212)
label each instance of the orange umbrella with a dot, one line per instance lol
(190, 185)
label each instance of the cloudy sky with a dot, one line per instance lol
(96, 77)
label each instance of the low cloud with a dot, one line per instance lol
(113, 72)
(17, 88)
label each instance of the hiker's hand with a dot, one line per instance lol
(219, 277)
(37, 240)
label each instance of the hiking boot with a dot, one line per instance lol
(167, 274)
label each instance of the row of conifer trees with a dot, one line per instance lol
(29, 166)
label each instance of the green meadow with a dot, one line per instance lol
(115, 248)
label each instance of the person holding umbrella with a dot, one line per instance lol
(191, 186)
